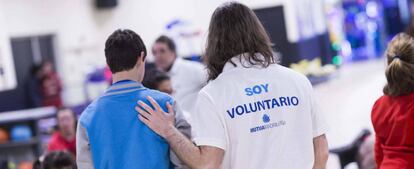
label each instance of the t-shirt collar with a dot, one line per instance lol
(124, 85)
(240, 62)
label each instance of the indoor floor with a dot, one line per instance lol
(347, 100)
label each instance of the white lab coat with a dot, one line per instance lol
(187, 79)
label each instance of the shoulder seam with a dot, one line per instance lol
(208, 96)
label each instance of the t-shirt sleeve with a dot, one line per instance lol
(319, 125)
(83, 151)
(207, 124)
(52, 145)
(182, 121)
(55, 144)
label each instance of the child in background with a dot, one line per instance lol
(393, 113)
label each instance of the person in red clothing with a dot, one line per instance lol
(64, 138)
(393, 113)
(51, 86)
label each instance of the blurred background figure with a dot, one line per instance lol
(51, 86)
(366, 157)
(55, 160)
(187, 78)
(33, 86)
(63, 139)
(360, 151)
(158, 80)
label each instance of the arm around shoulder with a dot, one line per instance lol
(196, 157)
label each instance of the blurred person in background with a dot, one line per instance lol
(157, 80)
(187, 77)
(64, 138)
(55, 160)
(51, 86)
(410, 28)
(33, 86)
(108, 75)
(365, 155)
(232, 126)
(393, 113)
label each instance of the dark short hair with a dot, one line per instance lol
(236, 30)
(36, 68)
(62, 109)
(58, 160)
(399, 72)
(122, 50)
(168, 41)
(153, 78)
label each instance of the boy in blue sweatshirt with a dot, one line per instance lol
(109, 133)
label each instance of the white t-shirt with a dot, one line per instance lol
(187, 79)
(262, 117)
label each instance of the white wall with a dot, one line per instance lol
(81, 29)
(8, 78)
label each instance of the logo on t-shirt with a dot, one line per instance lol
(266, 118)
(267, 125)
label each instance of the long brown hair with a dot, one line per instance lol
(235, 29)
(400, 69)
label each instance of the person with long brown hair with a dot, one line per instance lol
(253, 113)
(393, 113)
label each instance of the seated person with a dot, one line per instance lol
(366, 157)
(64, 138)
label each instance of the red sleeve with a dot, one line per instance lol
(378, 152)
(55, 144)
(52, 146)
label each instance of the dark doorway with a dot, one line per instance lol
(273, 19)
(26, 51)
